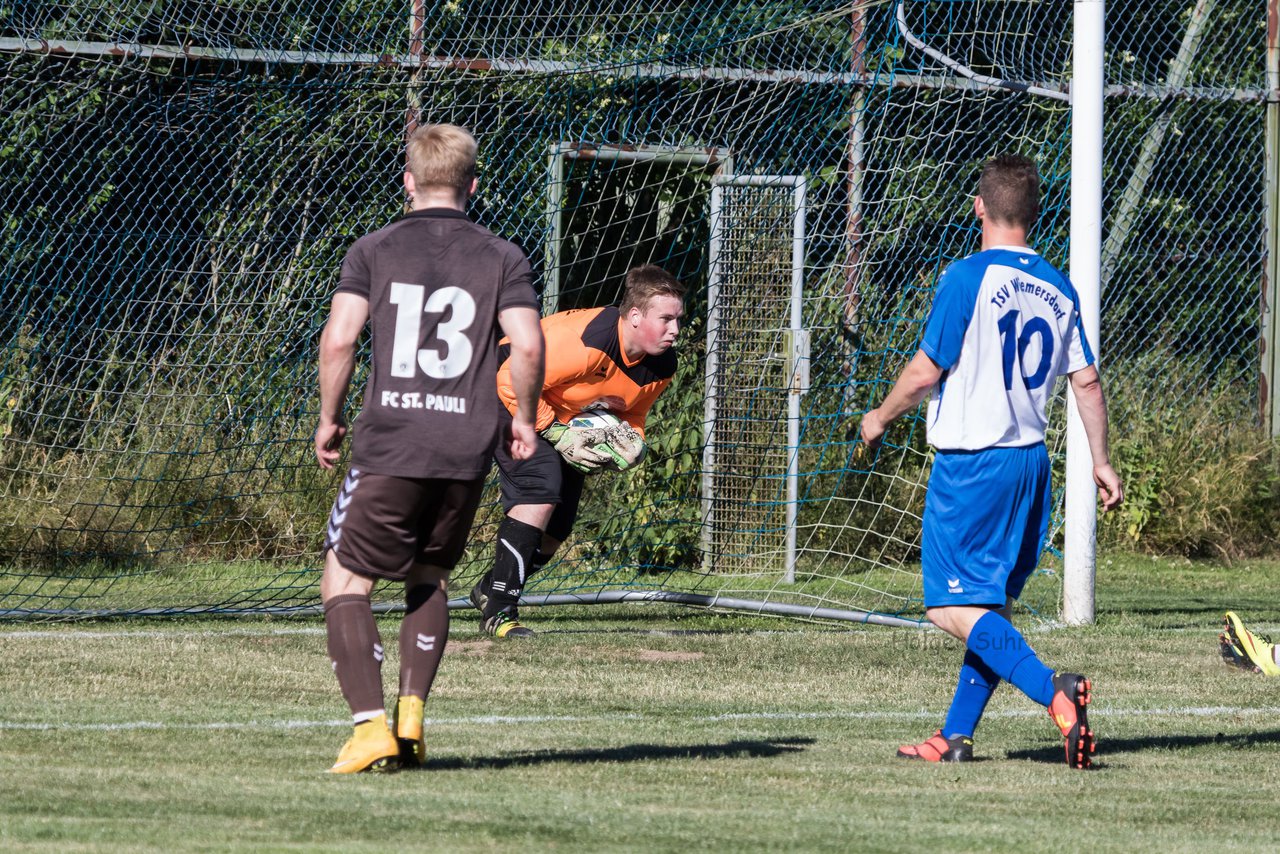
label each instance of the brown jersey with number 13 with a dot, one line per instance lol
(435, 282)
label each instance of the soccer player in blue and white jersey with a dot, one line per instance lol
(1004, 326)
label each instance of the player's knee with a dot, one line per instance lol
(337, 580)
(425, 573)
(537, 515)
(945, 619)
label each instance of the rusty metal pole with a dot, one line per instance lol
(417, 21)
(1269, 341)
(856, 165)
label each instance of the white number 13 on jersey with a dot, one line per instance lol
(408, 300)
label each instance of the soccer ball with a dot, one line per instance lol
(593, 418)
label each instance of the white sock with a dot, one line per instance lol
(361, 717)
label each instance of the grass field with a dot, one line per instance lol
(646, 729)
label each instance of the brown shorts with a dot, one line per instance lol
(380, 525)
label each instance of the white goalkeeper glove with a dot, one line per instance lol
(625, 446)
(578, 445)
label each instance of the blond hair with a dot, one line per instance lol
(646, 282)
(442, 156)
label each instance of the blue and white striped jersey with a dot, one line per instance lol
(1005, 325)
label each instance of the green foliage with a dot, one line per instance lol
(1201, 477)
(158, 470)
(1183, 233)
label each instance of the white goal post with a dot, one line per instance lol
(755, 286)
(1080, 541)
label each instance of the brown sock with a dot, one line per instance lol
(356, 651)
(422, 638)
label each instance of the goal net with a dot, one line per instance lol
(182, 180)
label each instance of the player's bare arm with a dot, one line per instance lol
(527, 364)
(917, 378)
(1091, 403)
(347, 318)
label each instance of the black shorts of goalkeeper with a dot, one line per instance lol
(381, 525)
(544, 478)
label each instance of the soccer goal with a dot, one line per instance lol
(182, 181)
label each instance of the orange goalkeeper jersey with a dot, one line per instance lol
(587, 369)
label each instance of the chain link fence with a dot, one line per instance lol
(182, 178)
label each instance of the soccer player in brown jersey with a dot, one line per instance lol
(434, 289)
(616, 359)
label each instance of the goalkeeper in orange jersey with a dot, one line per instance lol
(617, 359)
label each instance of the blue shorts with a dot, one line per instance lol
(986, 514)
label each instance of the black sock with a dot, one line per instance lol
(536, 564)
(517, 542)
(538, 561)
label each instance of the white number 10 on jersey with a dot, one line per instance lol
(408, 300)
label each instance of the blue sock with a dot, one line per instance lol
(1002, 648)
(976, 685)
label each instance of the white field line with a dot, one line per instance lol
(501, 720)
(115, 634)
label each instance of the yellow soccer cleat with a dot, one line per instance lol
(504, 625)
(371, 747)
(1259, 650)
(409, 732)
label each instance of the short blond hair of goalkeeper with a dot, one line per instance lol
(442, 156)
(645, 282)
